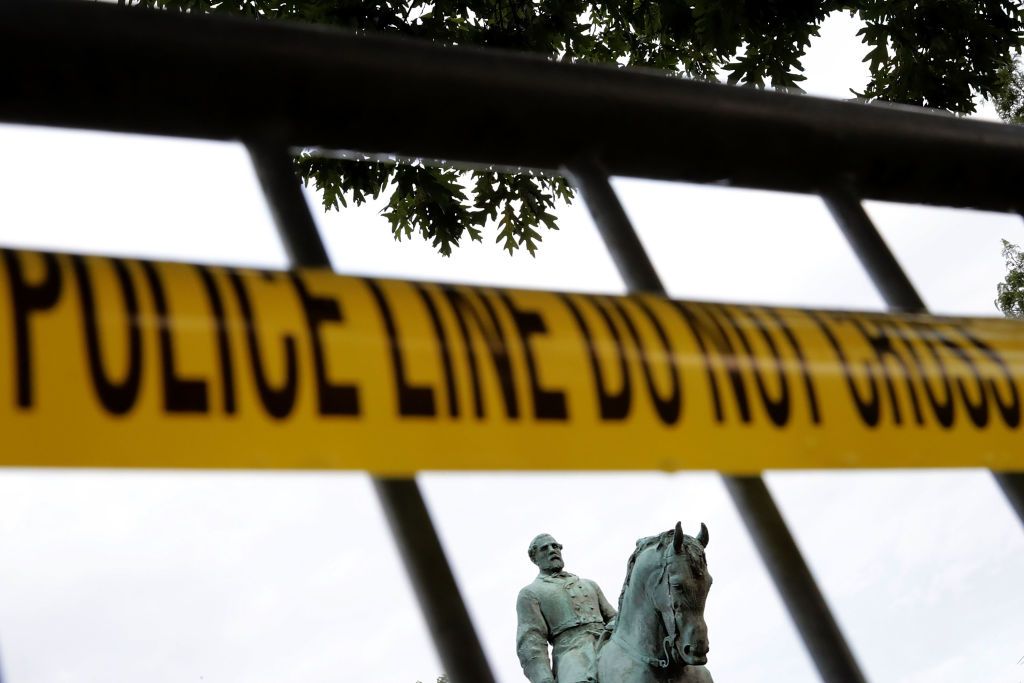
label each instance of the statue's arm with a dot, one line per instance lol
(607, 611)
(532, 639)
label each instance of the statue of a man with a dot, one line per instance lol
(564, 610)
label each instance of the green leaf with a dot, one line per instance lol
(938, 53)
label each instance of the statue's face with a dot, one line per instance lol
(549, 555)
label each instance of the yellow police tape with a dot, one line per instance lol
(114, 363)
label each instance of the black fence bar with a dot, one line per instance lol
(872, 251)
(1012, 484)
(620, 238)
(129, 69)
(431, 577)
(794, 581)
(450, 626)
(896, 289)
(283, 191)
(785, 564)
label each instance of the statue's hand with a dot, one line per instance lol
(606, 634)
(539, 671)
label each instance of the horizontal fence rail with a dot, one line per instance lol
(127, 69)
(138, 364)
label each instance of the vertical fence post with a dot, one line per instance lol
(414, 533)
(785, 564)
(896, 289)
(882, 267)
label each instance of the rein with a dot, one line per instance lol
(637, 655)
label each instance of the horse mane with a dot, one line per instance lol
(657, 542)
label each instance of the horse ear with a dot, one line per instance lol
(703, 537)
(677, 538)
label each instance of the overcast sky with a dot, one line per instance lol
(251, 577)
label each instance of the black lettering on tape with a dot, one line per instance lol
(443, 349)
(412, 400)
(612, 406)
(1009, 408)
(27, 298)
(117, 397)
(227, 373)
(717, 350)
(332, 399)
(978, 412)
(812, 396)
(494, 337)
(877, 335)
(777, 409)
(547, 404)
(278, 401)
(668, 408)
(868, 408)
(944, 409)
(180, 395)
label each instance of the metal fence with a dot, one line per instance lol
(97, 66)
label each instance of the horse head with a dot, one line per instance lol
(679, 594)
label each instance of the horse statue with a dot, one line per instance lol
(659, 635)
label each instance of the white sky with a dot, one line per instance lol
(250, 577)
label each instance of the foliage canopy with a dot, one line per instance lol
(1009, 96)
(935, 53)
(1010, 292)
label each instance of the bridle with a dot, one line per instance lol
(668, 642)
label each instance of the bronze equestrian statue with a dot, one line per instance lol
(659, 635)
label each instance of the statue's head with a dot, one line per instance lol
(546, 553)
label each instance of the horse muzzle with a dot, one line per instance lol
(695, 653)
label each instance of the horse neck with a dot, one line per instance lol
(639, 622)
